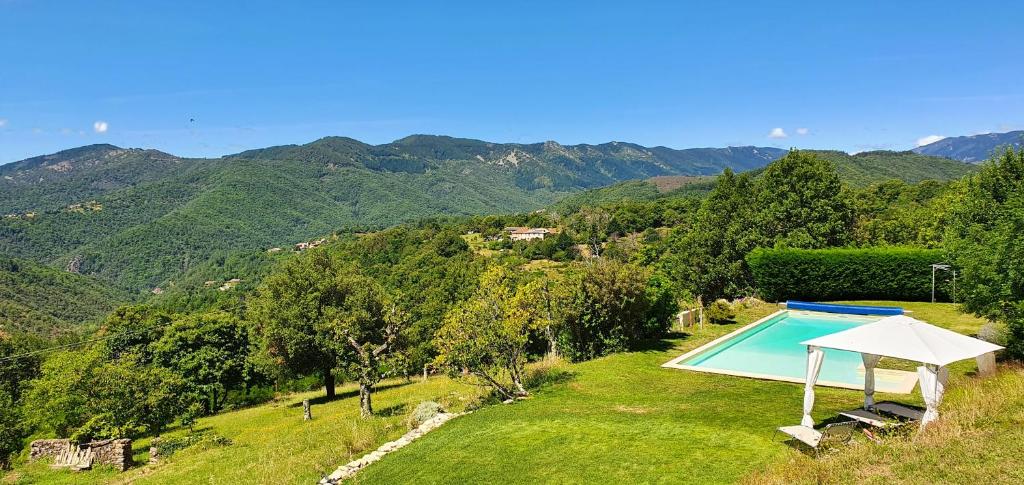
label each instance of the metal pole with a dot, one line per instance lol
(954, 286)
(933, 283)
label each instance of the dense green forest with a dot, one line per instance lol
(141, 219)
(41, 300)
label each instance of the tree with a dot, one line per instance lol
(707, 258)
(17, 371)
(131, 329)
(591, 225)
(291, 312)
(12, 429)
(549, 296)
(488, 334)
(800, 202)
(83, 395)
(210, 350)
(363, 325)
(608, 308)
(60, 397)
(985, 243)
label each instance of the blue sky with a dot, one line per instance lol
(856, 76)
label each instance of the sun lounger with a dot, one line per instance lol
(869, 418)
(900, 410)
(830, 434)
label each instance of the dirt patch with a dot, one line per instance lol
(633, 409)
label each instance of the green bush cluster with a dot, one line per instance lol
(721, 311)
(166, 447)
(890, 273)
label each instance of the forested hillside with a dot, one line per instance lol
(859, 170)
(865, 168)
(141, 218)
(41, 300)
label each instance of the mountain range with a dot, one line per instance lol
(974, 148)
(138, 219)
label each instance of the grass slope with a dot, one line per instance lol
(623, 419)
(617, 419)
(271, 444)
(977, 441)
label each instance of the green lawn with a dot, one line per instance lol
(624, 419)
(621, 418)
(272, 444)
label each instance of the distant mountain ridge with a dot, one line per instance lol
(140, 218)
(974, 148)
(535, 165)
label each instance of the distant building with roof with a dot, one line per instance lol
(529, 233)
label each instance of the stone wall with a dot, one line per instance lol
(116, 453)
(47, 448)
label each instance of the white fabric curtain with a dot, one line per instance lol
(933, 385)
(870, 361)
(814, 358)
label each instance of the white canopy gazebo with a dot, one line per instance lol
(900, 337)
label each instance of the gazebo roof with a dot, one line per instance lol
(907, 338)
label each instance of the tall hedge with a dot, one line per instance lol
(886, 273)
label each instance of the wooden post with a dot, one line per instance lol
(425, 372)
(700, 303)
(307, 412)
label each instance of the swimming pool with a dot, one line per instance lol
(770, 349)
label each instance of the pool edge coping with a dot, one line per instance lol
(909, 379)
(674, 363)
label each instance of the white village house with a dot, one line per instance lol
(529, 233)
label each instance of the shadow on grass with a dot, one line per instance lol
(658, 345)
(393, 410)
(545, 377)
(826, 446)
(348, 394)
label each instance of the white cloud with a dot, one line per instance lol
(802, 131)
(3, 122)
(928, 139)
(777, 133)
(100, 127)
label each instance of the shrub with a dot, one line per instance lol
(611, 305)
(888, 273)
(424, 412)
(993, 332)
(166, 447)
(721, 311)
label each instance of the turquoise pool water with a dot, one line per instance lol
(772, 349)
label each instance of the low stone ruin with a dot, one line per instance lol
(67, 454)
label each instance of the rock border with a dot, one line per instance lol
(348, 470)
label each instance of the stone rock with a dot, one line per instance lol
(116, 453)
(346, 471)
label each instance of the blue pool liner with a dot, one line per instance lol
(848, 309)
